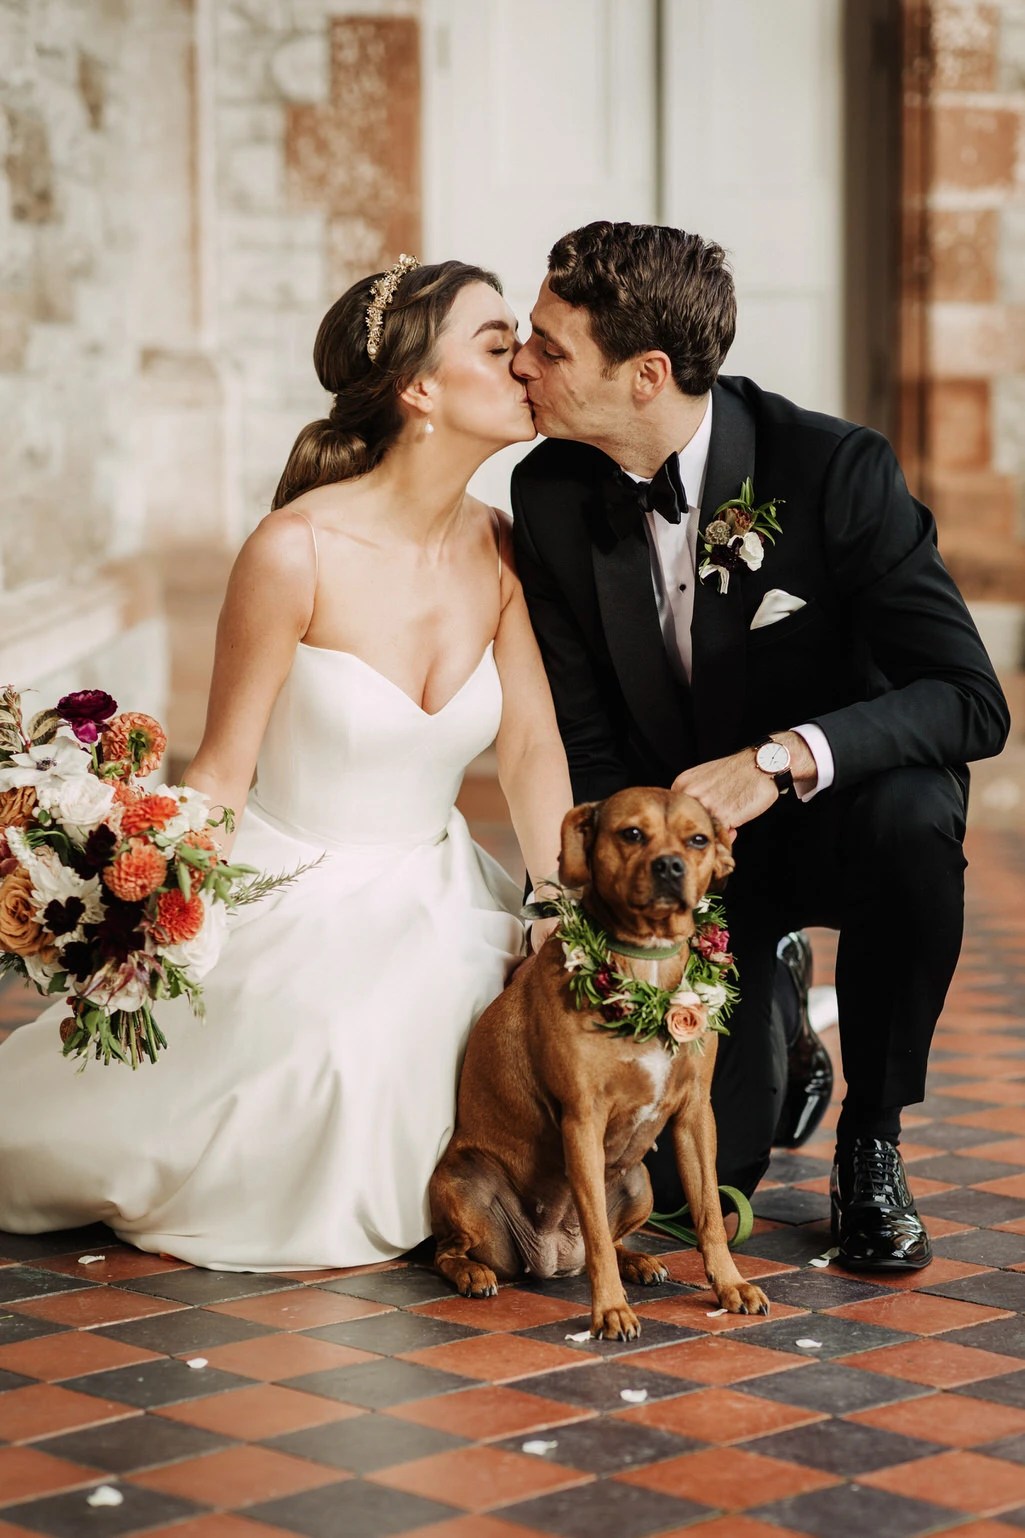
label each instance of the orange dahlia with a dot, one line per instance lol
(137, 872)
(126, 794)
(148, 812)
(135, 739)
(179, 917)
(200, 840)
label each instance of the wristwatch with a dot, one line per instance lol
(773, 759)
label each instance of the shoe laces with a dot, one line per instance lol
(878, 1173)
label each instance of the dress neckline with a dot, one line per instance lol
(334, 651)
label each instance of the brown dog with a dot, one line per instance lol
(543, 1172)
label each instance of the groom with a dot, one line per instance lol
(823, 700)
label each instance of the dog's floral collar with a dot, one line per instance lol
(625, 1005)
(737, 535)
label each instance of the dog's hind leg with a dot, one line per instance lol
(475, 1249)
(629, 1202)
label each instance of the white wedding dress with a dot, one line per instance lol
(298, 1126)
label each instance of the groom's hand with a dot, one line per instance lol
(735, 790)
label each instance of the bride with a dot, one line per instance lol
(373, 640)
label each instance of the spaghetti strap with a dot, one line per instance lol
(316, 552)
(498, 541)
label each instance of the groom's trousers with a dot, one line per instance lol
(882, 862)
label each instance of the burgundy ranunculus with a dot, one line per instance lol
(86, 711)
(604, 982)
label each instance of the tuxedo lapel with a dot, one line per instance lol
(719, 628)
(629, 617)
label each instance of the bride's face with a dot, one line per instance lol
(474, 390)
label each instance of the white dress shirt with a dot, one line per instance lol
(673, 550)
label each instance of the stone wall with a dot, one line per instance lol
(963, 295)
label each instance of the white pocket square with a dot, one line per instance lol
(776, 605)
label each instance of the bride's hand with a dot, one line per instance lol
(540, 929)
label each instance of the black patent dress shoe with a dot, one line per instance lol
(809, 1083)
(875, 1224)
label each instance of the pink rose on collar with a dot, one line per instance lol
(686, 1017)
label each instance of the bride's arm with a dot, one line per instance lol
(532, 768)
(266, 611)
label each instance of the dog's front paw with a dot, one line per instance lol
(472, 1280)
(642, 1270)
(742, 1298)
(619, 1323)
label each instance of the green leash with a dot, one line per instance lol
(670, 1222)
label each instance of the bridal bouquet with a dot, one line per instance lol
(111, 895)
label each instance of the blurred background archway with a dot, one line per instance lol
(185, 186)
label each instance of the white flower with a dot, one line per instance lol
(710, 569)
(576, 956)
(198, 956)
(79, 804)
(752, 551)
(118, 985)
(712, 995)
(193, 810)
(40, 971)
(54, 882)
(685, 997)
(62, 759)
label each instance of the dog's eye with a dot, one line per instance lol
(631, 835)
(698, 841)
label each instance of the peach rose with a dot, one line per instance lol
(20, 930)
(17, 806)
(686, 1017)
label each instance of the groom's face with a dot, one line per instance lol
(573, 392)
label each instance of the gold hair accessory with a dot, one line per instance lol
(381, 296)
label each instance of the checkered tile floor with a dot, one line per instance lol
(360, 1404)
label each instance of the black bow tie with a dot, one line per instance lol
(663, 494)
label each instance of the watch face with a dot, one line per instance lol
(773, 758)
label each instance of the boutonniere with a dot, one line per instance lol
(737, 534)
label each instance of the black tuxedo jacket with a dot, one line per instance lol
(884, 655)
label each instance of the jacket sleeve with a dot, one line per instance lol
(595, 763)
(944, 705)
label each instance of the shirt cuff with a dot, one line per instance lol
(822, 753)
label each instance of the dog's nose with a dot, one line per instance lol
(668, 867)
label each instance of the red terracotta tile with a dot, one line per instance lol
(699, 1311)
(238, 1476)
(720, 1415)
(1010, 1150)
(994, 1091)
(69, 1354)
(216, 1524)
(26, 1472)
(95, 1306)
(982, 1067)
(1013, 1226)
(43, 1409)
(511, 1310)
(487, 1413)
(919, 1313)
(911, 1151)
(479, 1526)
(716, 1360)
(1009, 1185)
(265, 1410)
(939, 1363)
(273, 1357)
(688, 1266)
(479, 1478)
(939, 1270)
(731, 1477)
(964, 1481)
(120, 1264)
(986, 1527)
(300, 1308)
(498, 1358)
(1009, 1118)
(331, 1274)
(8, 1530)
(954, 1420)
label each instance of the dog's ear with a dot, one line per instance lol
(578, 828)
(723, 853)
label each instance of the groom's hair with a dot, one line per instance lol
(649, 287)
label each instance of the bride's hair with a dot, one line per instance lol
(366, 416)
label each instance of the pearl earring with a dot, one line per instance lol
(428, 427)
